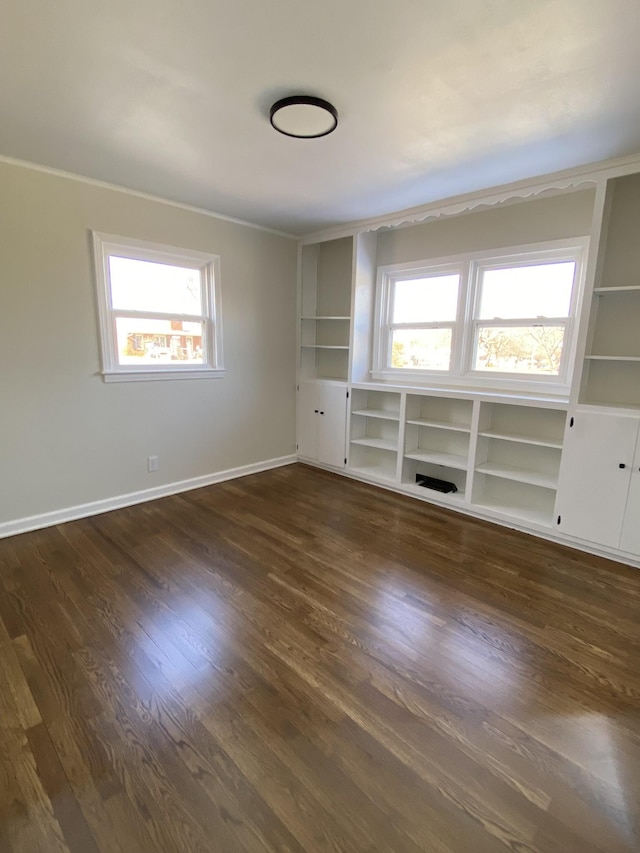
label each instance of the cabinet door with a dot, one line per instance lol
(332, 418)
(630, 539)
(308, 420)
(592, 489)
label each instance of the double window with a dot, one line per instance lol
(159, 310)
(505, 321)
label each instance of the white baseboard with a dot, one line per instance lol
(49, 519)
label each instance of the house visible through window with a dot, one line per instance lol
(505, 321)
(159, 310)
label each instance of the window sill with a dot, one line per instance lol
(159, 374)
(505, 388)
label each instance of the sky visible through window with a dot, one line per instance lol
(543, 290)
(147, 286)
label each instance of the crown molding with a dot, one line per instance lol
(60, 173)
(569, 180)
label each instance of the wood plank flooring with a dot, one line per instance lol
(298, 662)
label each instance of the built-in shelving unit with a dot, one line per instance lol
(611, 375)
(375, 433)
(503, 457)
(518, 445)
(325, 321)
(502, 449)
(436, 442)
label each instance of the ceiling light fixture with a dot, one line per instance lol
(304, 117)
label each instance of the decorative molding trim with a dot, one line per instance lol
(105, 185)
(49, 519)
(569, 180)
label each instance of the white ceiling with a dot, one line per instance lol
(435, 97)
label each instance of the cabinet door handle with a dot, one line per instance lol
(622, 465)
(315, 411)
(322, 413)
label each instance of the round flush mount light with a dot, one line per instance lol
(304, 117)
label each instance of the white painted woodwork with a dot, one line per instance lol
(593, 488)
(325, 303)
(612, 357)
(308, 421)
(322, 415)
(630, 538)
(508, 452)
(333, 422)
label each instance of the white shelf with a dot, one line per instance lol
(437, 457)
(378, 470)
(520, 475)
(532, 514)
(423, 492)
(327, 317)
(322, 346)
(439, 425)
(613, 357)
(521, 439)
(382, 414)
(631, 289)
(380, 443)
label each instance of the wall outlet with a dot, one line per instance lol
(152, 462)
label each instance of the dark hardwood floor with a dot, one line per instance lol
(295, 661)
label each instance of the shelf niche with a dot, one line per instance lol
(611, 375)
(325, 304)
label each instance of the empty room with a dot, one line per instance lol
(320, 426)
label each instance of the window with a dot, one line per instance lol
(503, 321)
(159, 310)
(423, 318)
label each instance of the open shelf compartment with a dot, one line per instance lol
(381, 405)
(523, 501)
(439, 412)
(526, 463)
(318, 363)
(437, 445)
(324, 333)
(373, 462)
(411, 467)
(522, 424)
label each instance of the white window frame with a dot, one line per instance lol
(385, 326)
(471, 266)
(107, 245)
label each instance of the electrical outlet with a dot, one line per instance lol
(152, 462)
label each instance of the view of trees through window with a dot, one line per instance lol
(517, 327)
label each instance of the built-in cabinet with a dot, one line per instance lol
(600, 481)
(566, 469)
(322, 418)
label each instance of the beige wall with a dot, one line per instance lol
(553, 218)
(66, 437)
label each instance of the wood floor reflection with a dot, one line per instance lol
(297, 662)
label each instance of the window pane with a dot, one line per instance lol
(426, 300)
(543, 290)
(424, 349)
(520, 349)
(174, 342)
(146, 286)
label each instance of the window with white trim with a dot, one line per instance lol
(159, 310)
(505, 321)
